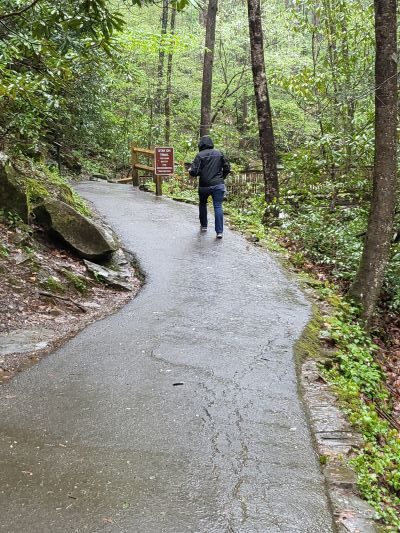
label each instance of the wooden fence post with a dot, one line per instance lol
(135, 172)
(158, 180)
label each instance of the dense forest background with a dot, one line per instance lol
(94, 77)
(77, 84)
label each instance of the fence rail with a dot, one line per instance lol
(247, 183)
(243, 184)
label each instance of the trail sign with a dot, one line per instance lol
(164, 161)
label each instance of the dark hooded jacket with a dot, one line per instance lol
(210, 165)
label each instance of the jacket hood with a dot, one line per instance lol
(205, 143)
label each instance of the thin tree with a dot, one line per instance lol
(367, 284)
(161, 56)
(206, 92)
(266, 132)
(168, 91)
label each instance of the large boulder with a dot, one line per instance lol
(87, 238)
(12, 194)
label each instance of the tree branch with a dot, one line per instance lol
(20, 11)
(64, 298)
(221, 105)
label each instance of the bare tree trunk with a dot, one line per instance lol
(151, 116)
(367, 285)
(206, 92)
(169, 85)
(266, 132)
(161, 56)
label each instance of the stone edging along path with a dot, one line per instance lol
(335, 440)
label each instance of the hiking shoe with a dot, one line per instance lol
(203, 228)
(219, 235)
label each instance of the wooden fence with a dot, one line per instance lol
(137, 167)
(245, 184)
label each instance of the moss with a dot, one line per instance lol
(77, 281)
(74, 200)
(309, 344)
(65, 192)
(53, 284)
(24, 185)
(58, 187)
(12, 190)
(35, 192)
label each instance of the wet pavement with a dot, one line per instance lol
(180, 413)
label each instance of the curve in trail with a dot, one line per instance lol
(99, 436)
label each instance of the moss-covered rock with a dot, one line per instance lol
(12, 190)
(88, 239)
(25, 184)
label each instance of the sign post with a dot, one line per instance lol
(163, 165)
(135, 172)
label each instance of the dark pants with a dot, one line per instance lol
(217, 193)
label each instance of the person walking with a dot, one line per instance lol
(212, 167)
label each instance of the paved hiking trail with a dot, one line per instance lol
(99, 437)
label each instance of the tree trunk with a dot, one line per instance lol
(151, 116)
(206, 92)
(161, 55)
(169, 85)
(266, 132)
(367, 285)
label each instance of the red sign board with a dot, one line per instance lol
(164, 161)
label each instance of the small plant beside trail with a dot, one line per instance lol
(4, 250)
(361, 387)
(78, 281)
(53, 284)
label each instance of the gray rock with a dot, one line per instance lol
(347, 500)
(114, 278)
(87, 238)
(12, 192)
(21, 258)
(118, 260)
(99, 177)
(20, 341)
(91, 305)
(341, 475)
